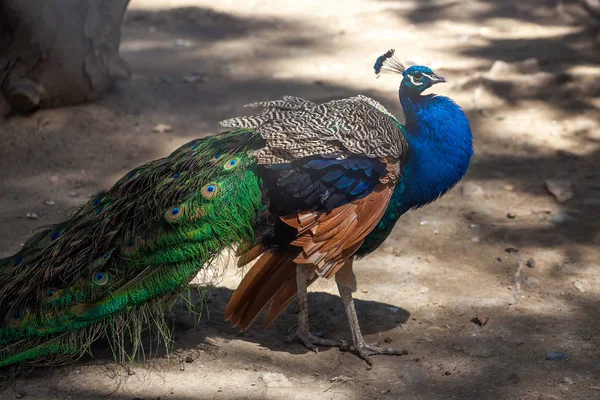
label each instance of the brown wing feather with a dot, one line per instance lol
(260, 285)
(328, 240)
(325, 241)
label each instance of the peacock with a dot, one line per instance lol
(299, 189)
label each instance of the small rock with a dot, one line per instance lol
(364, 291)
(447, 373)
(556, 356)
(530, 263)
(579, 285)
(194, 78)
(162, 128)
(423, 223)
(511, 250)
(562, 190)
(31, 216)
(511, 215)
(545, 396)
(471, 190)
(388, 340)
(276, 380)
(560, 218)
(389, 249)
(49, 202)
(182, 43)
(563, 388)
(509, 287)
(189, 359)
(568, 380)
(472, 226)
(480, 319)
(513, 378)
(530, 281)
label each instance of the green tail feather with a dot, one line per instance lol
(103, 272)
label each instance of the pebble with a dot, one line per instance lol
(276, 380)
(388, 340)
(389, 249)
(546, 396)
(511, 215)
(49, 202)
(562, 190)
(568, 380)
(513, 378)
(560, 218)
(471, 190)
(194, 78)
(563, 388)
(556, 356)
(182, 43)
(530, 263)
(579, 286)
(31, 216)
(162, 128)
(531, 281)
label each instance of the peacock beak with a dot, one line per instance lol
(438, 79)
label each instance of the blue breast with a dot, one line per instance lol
(440, 150)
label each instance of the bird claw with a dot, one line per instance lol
(311, 341)
(367, 350)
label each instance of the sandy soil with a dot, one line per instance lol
(442, 266)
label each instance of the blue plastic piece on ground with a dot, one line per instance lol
(556, 356)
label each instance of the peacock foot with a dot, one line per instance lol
(364, 351)
(312, 340)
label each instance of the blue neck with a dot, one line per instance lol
(440, 149)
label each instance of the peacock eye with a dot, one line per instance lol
(418, 76)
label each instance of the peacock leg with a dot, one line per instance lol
(347, 285)
(311, 341)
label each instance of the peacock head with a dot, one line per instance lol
(415, 79)
(419, 78)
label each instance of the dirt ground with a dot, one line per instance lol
(197, 62)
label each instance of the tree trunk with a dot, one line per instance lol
(58, 52)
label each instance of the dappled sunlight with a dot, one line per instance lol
(499, 244)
